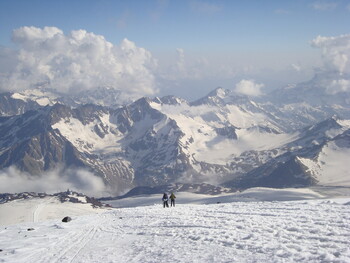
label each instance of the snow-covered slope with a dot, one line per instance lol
(37, 210)
(331, 165)
(10, 105)
(42, 96)
(215, 133)
(299, 163)
(290, 231)
(32, 207)
(20, 102)
(249, 195)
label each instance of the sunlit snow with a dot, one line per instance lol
(230, 228)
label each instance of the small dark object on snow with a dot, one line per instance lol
(66, 219)
(0, 250)
(218, 202)
(30, 229)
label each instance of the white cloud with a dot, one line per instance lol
(77, 61)
(339, 85)
(249, 87)
(15, 181)
(335, 72)
(324, 5)
(335, 51)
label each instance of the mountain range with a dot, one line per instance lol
(295, 136)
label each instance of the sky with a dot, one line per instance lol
(171, 47)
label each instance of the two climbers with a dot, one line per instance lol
(165, 200)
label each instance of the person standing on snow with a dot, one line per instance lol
(165, 200)
(172, 199)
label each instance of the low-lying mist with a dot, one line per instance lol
(60, 179)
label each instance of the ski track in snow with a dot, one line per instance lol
(39, 208)
(294, 231)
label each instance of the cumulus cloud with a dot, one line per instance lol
(336, 62)
(14, 181)
(249, 87)
(338, 85)
(76, 61)
(335, 51)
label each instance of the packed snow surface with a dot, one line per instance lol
(41, 209)
(309, 230)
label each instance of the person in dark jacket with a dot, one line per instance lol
(172, 199)
(165, 200)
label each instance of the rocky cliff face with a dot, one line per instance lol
(11, 106)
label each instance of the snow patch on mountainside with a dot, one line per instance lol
(200, 124)
(331, 166)
(85, 138)
(221, 150)
(334, 163)
(254, 139)
(217, 116)
(42, 96)
(345, 123)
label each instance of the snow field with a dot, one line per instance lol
(85, 138)
(199, 124)
(293, 231)
(331, 165)
(249, 195)
(41, 209)
(244, 232)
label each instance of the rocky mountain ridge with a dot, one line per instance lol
(67, 196)
(224, 138)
